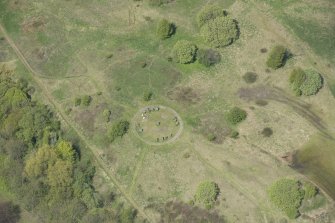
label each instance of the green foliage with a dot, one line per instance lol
(297, 78)
(147, 95)
(310, 190)
(119, 129)
(184, 52)
(277, 57)
(250, 77)
(208, 57)
(86, 100)
(287, 195)
(211, 137)
(235, 116)
(207, 193)
(208, 13)
(77, 102)
(164, 29)
(234, 134)
(65, 151)
(9, 212)
(305, 82)
(267, 132)
(220, 32)
(106, 115)
(312, 84)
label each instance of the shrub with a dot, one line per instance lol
(250, 77)
(147, 95)
(234, 134)
(119, 129)
(77, 102)
(267, 132)
(207, 193)
(86, 100)
(211, 137)
(106, 115)
(158, 2)
(297, 77)
(208, 57)
(277, 57)
(220, 32)
(312, 83)
(305, 83)
(287, 195)
(184, 52)
(236, 115)
(310, 190)
(209, 13)
(164, 29)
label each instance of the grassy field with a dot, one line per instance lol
(85, 47)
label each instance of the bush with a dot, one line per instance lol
(147, 95)
(208, 57)
(287, 195)
(184, 52)
(312, 84)
(234, 134)
(250, 77)
(236, 115)
(209, 13)
(119, 129)
(106, 115)
(158, 2)
(310, 190)
(277, 57)
(267, 132)
(165, 29)
(211, 137)
(220, 32)
(77, 102)
(86, 100)
(305, 83)
(207, 193)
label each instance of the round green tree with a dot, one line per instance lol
(287, 195)
(220, 32)
(209, 13)
(119, 129)
(236, 115)
(306, 82)
(207, 193)
(277, 57)
(164, 29)
(184, 52)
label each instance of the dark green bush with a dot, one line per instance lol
(287, 195)
(86, 100)
(310, 190)
(277, 57)
(207, 193)
(164, 29)
(236, 115)
(208, 57)
(250, 77)
(148, 95)
(119, 129)
(208, 13)
(220, 32)
(184, 52)
(305, 82)
(267, 132)
(77, 102)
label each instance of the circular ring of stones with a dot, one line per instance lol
(161, 107)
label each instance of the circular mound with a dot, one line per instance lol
(157, 125)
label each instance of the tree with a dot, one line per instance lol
(236, 115)
(9, 212)
(287, 195)
(119, 129)
(208, 57)
(305, 82)
(220, 32)
(184, 51)
(65, 151)
(208, 13)
(207, 193)
(60, 174)
(277, 57)
(164, 29)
